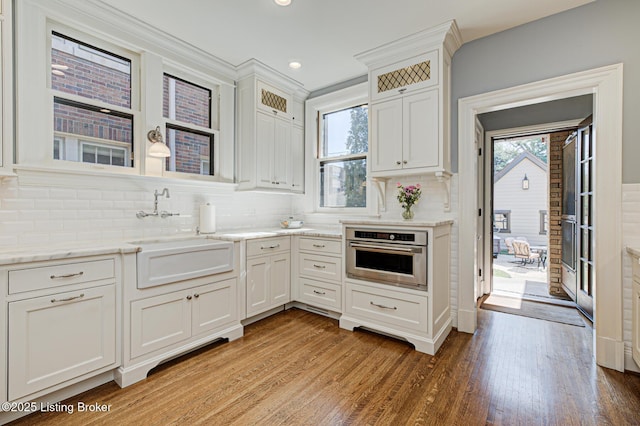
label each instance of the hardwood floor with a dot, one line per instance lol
(300, 368)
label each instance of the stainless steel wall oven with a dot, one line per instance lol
(388, 256)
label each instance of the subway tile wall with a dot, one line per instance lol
(38, 215)
(630, 237)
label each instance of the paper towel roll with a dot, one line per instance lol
(207, 219)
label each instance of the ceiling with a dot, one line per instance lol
(324, 35)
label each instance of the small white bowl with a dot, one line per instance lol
(291, 224)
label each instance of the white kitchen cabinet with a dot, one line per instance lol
(170, 318)
(635, 306)
(62, 323)
(274, 151)
(297, 159)
(59, 337)
(268, 274)
(318, 271)
(409, 91)
(422, 317)
(411, 121)
(164, 320)
(269, 108)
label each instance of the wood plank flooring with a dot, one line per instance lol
(298, 368)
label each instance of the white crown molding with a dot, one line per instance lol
(104, 18)
(254, 67)
(446, 34)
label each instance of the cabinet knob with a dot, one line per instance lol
(398, 163)
(196, 295)
(189, 297)
(404, 162)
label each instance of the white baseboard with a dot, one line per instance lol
(610, 353)
(467, 321)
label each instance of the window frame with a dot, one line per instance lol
(544, 215)
(339, 105)
(214, 120)
(133, 165)
(507, 215)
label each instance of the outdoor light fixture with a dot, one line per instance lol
(158, 149)
(525, 182)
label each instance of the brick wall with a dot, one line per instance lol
(554, 259)
(92, 80)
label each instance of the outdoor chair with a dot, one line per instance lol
(509, 243)
(522, 251)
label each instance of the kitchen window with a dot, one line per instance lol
(187, 109)
(342, 154)
(92, 98)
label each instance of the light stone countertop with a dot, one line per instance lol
(78, 249)
(633, 251)
(250, 234)
(63, 251)
(407, 223)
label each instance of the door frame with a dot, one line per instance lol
(605, 84)
(546, 128)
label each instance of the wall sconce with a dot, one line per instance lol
(525, 182)
(158, 149)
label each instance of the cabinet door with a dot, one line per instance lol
(257, 285)
(636, 321)
(280, 279)
(282, 154)
(385, 146)
(159, 321)
(420, 130)
(214, 306)
(265, 134)
(56, 338)
(297, 159)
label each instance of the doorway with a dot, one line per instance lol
(606, 85)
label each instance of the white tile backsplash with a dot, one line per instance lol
(35, 214)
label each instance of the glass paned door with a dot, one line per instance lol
(586, 271)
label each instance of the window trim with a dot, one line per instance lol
(543, 214)
(333, 101)
(507, 214)
(212, 132)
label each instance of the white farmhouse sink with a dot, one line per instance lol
(163, 262)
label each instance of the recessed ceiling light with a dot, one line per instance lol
(57, 72)
(59, 67)
(294, 65)
(282, 2)
(105, 110)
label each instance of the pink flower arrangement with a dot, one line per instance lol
(408, 195)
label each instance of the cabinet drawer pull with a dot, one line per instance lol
(319, 266)
(319, 245)
(67, 299)
(404, 89)
(274, 112)
(322, 293)
(77, 274)
(269, 247)
(384, 307)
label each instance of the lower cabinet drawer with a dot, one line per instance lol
(320, 294)
(61, 274)
(322, 267)
(390, 307)
(57, 338)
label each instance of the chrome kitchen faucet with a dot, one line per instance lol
(163, 214)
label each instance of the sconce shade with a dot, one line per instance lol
(158, 149)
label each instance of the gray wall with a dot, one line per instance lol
(601, 33)
(575, 108)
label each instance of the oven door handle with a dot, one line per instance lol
(379, 249)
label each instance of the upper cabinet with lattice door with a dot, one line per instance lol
(409, 103)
